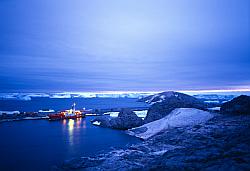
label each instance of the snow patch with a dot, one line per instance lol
(159, 101)
(91, 114)
(163, 97)
(141, 113)
(177, 118)
(112, 114)
(151, 99)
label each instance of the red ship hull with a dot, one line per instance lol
(61, 116)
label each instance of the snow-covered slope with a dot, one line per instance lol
(178, 117)
(158, 98)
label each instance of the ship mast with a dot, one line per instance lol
(74, 108)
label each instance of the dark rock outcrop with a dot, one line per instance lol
(239, 105)
(126, 119)
(164, 103)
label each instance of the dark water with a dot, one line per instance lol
(40, 144)
(60, 104)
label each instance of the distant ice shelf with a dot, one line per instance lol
(64, 95)
(9, 112)
(221, 97)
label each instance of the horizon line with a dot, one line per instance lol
(153, 92)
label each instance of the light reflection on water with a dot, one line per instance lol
(55, 142)
(72, 126)
(71, 123)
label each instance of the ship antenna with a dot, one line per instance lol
(74, 107)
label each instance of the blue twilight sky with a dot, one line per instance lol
(112, 45)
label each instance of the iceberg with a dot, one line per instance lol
(141, 113)
(46, 111)
(9, 112)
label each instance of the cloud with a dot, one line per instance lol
(117, 45)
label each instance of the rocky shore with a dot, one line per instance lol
(180, 136)
(222, 143)
(25, 118)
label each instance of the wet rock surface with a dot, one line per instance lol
(239, 105)
(222, 143)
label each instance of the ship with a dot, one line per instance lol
(68, 114)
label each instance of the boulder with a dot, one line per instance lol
(126, 119)
(164, 103)
(239, 105)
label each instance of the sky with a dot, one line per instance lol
(115, 45)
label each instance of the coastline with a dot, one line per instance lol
(22, 119)
(212, 145)
(101, 112)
